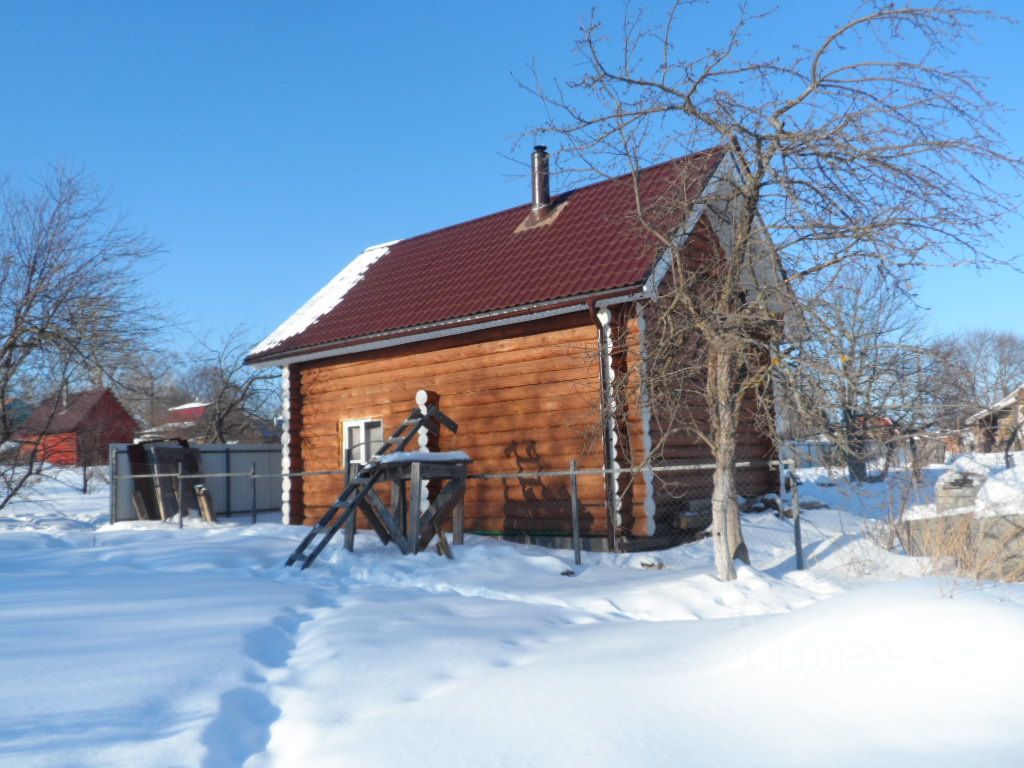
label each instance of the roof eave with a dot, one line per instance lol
(443, 329)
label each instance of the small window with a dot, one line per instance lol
(361, 439)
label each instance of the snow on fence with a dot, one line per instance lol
(228, 474)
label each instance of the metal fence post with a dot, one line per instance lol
(253, 476)
(797, 539)
(576, 544)
(112, 501)
(181, 497)
(227, 480)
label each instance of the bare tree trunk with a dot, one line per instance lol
(725, 511)
(916, 466)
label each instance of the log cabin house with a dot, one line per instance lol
(517, 323)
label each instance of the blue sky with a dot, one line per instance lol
(266, 144)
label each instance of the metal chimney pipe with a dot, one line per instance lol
(541, 182)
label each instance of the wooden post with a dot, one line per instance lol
(350, 524)
(459, 513)
(252, 475)
(181, 497)
(206, 511)
(415, 495)
(157, 494)
(576, 543)
(797, 539)
(398, 510)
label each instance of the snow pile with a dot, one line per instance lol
(830, 489)
(437, 457)
(967, 466)
(890, 675)
(326, 299)
(1000, 490)
(1001, 494)
(991, 461)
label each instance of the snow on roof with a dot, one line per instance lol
(188, 405)
(326, 299)
(426, 457)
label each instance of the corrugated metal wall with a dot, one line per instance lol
(231, 495)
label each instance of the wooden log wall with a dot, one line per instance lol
(526, 398)
(294, 448)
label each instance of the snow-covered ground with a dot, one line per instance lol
(1000, 489)
(144, 645)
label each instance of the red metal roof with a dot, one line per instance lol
(492, 264)
(51, 417)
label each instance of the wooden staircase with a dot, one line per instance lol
(359, 494)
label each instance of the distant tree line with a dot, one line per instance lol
(242, 402)
(863, 372)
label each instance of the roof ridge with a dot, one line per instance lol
(558, 197)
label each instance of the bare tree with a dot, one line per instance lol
(243, 401)
(69, 301)
(980, 367)
(149, 383)
(866, 146)
(860, 369)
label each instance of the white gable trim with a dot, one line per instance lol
(664, 262)
(763, 269)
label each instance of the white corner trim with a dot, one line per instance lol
(422, 440)
(606, 343)
(650, 506)
(664, 262)
(286, 441)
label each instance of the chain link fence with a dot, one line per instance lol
(577, 508)
(643, 509)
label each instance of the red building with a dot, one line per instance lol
(77, 429)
